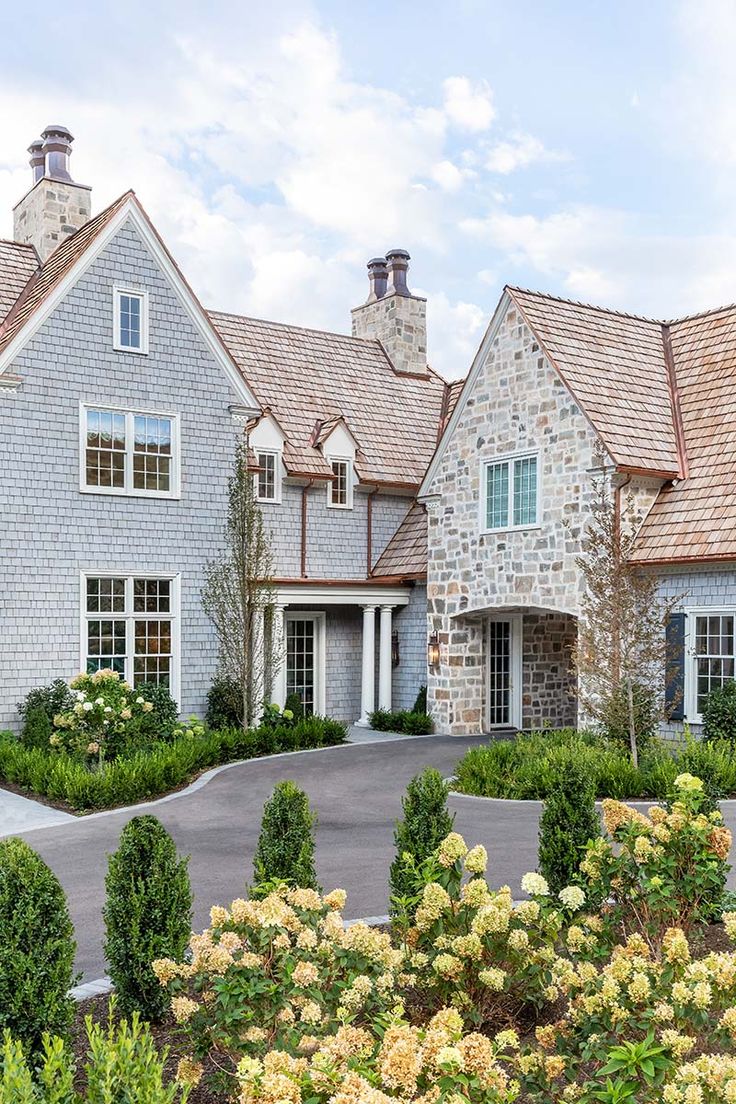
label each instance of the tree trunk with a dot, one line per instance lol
(632, 722)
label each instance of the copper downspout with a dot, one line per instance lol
(305, 492)
(369, 531)
(617, 552)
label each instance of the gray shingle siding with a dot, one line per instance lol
(411, 624)
(51, 532)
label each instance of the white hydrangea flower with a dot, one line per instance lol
(535, 885)
(572, 897)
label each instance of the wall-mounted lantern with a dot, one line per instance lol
(433, 650)
(395, 657)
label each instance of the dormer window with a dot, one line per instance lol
(268, 479)
(340, 489)
(130, 320)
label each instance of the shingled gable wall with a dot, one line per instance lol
(518, 403)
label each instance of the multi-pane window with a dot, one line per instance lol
(128, 452)
(300, 661)
(713, 654)
(131, 321)
(129, 627)
(268, 477)
(511, 493)
(339, 491)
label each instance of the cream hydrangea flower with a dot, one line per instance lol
(535, 885)
(452, 848)
(476, 860)
(688, 783)
(572, 897)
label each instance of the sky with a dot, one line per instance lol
(582, 147)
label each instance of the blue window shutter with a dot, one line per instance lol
(674, 692)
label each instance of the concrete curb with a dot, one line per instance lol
(198, 783)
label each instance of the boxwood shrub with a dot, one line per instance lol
(156, 770)
(401, 720)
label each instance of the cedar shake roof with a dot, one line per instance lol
(47, 277)
(614, 365)
(310, 377)
(17, 264)
(695, 518)
(405, 555)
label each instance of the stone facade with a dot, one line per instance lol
(49, 212)
(548, 685)
(400, 324)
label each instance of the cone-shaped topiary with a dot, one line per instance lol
(37, 947)
(568, 821)
(148, 914)
(425, 824)
(285, 849)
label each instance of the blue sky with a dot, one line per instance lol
(584, 148)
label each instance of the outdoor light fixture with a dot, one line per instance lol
(395, 658)
(433, 650)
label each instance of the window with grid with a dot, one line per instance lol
(129, 627)
(511, 493)
(131, 321)
(713, 654)
(129, 452)
(300, 661)
(267, 477)
(339, 489)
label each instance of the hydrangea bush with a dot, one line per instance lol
(107, 717)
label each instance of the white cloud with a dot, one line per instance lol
(468, 106)
(517, 153)
(454, 333)
(448, 176)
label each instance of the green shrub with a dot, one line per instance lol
(147, 913)
(425, 823)
(402, 720)
(37, 947)
(719, 713)
(568, 822)
(420, 705)
(285, 851)
(161, 723)
(157, 769)
(38, 710)
(616, 724)
(224, 704)
(294, 704)
(122, 1065)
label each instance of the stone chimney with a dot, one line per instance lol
(55, 206)
(393, 315)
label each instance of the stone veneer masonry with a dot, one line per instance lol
(399, 322)
(518, 404)
(51, 532)
(50, 212)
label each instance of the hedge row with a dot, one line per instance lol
(150, 773)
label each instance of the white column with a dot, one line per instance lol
(258, 662)
(368, 680)
(278, 685)
(384, 660)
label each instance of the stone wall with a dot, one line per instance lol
(50, 212)
(548, 686)
(399, 322)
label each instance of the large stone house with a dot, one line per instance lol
(555, 387)
(121, 399)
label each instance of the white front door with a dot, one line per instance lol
(503, 685)
(305, 660)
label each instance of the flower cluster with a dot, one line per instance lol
(403, 1063)
(281, 972)
(105, 714)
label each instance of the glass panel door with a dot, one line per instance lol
(499, 673)
(300, 661)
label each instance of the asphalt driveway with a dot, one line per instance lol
(356, 790)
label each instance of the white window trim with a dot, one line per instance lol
(508, 458)
(129, 491)
(141, 294)
(516, 623)
(174, 615)
(690, 693)
(348, 461)
(276, 500)
(320, 653)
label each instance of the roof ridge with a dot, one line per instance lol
(587, 306)
(700, 314)
(17, 244)
(292, 326)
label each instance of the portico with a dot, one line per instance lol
(347, 628)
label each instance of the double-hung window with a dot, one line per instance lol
(340, 489)
(129, 452)
(713, 656)
(130, 320)
(268, 479)
(130, 625)
(510, 493)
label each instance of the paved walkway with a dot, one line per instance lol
(18, 814)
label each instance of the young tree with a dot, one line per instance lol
(237, 594)
(620, 657)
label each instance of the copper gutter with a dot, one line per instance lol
(378, 580)
(669, 361)
(664, 561)
(305, 492)
(369, 531)
(628, 469)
